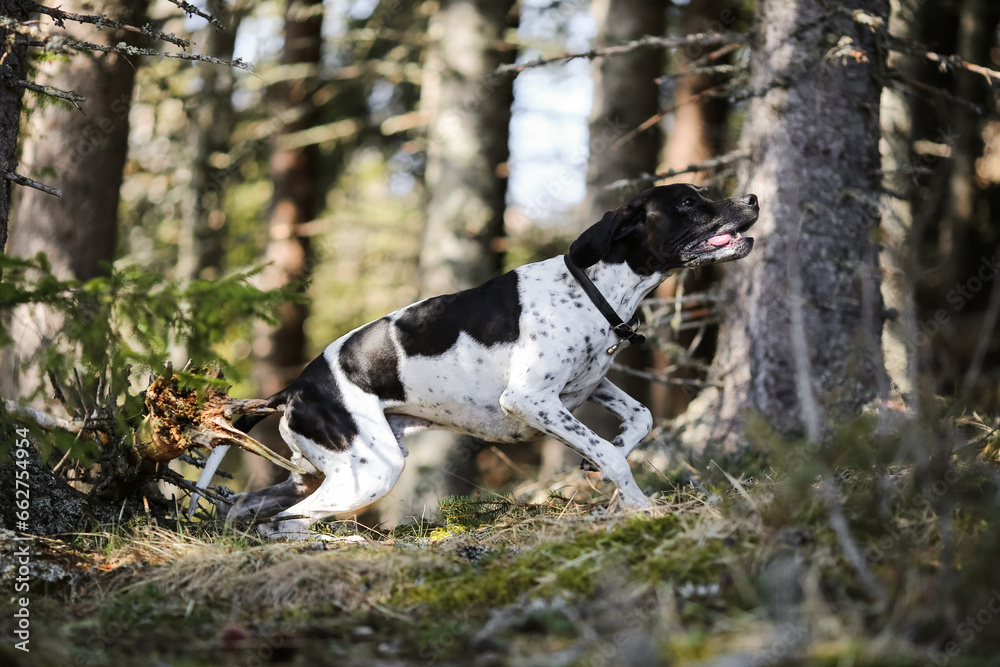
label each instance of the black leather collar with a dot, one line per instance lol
(627, 332)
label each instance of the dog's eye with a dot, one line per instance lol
(688, 202)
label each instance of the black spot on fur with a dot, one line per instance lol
(315, 408)
(489, 314)
(369, 360)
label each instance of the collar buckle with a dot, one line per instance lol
(626, 332)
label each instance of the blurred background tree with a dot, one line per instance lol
(376, 154)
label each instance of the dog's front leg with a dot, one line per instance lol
(637, 421)
(543, 410)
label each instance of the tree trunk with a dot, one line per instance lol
(467, 149)
(698, 127)
(466, 186)
(800, 342)
(86, 151)
(898, 258)
(203, 220)
(281, 353)
(199, 253)
(12, 70)
(625, 95)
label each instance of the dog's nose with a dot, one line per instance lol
(750, 200)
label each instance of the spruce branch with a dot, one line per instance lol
(645, 42)
(102, 21)
(70, 96)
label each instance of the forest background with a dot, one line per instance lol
(379, 152)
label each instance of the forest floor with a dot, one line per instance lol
(884, 567)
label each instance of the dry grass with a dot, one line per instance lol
(724, 572)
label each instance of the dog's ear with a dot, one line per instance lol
(594, 243)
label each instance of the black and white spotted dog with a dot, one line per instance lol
(507, 361)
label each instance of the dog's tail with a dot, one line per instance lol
(212, 463)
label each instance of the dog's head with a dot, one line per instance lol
(670, 226)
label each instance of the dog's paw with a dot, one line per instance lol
(291, 529)
(628, 502)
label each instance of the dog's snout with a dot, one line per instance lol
(750, 200)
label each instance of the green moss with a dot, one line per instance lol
(648, 550)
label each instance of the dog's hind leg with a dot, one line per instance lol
(355, 477)
(273, 499)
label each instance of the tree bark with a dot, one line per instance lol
(467, 149)
(296, 199)
(466, 186)
(200, 250)
(800, 342)
(281, 353)
(625, 95)
(87, 151)
(203, 219)
(898, 257)
(698, 126)
(13, 69)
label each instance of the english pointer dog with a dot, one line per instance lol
(507, 361)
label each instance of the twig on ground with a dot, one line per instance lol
(847, 544)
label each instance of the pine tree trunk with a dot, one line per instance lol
(800, 342)
(698, 125)
(203, 225)
(296, 199)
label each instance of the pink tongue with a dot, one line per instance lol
(721, 239)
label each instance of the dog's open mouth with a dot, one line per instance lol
(723, 247)
(723, 240)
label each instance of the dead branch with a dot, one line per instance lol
(942, 93)
(32, 183)
(102, 21)
(62, 43)
(655, 118)
(45, 420)
(191, 10)
(714, 163)
(945, 62)
(695, 71)
(645, 42)
(70, 96)
(663, 379)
